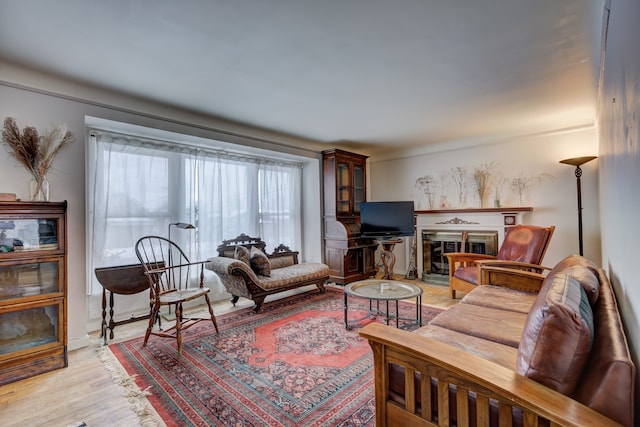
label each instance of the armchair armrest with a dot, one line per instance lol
(511, 278)
(467, 257)
(163, 268)
(464, 259)
(229, 266)
(164, 279)
(512, 264)
(470, 375)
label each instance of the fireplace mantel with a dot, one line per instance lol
(475, 210)
(482, 217)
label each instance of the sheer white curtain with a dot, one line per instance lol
(280, 200)
(138, 187)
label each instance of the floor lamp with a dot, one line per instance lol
(577, 162)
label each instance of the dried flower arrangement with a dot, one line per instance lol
(522, 182)
(498, 187)
(35, 152)
(459, 176)
(444, 176)
(425, 184)
(482, 180)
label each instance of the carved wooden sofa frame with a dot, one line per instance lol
(286, 272)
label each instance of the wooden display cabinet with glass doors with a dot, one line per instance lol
(349, 256)
(33, 289)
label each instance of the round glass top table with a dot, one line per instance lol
(385, 292)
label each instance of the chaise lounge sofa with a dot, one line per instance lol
(521, 349)
(247, 271)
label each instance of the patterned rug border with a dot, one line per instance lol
(139, 399)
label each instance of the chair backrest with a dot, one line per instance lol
(525, 243)
(166, 265)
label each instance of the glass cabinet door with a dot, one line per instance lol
(358, 187)
(30, 327)
(28, 278)
(343, 188)
(23, 235)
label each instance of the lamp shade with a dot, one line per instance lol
(183, 225)
(577, 161)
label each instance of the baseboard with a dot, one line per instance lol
(79, 342)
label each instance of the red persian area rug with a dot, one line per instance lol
(291, 364)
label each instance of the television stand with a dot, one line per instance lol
(388, 258)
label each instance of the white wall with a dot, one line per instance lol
(554, 200)
(47, 101)
(619, 116)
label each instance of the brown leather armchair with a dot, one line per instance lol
(523, 248)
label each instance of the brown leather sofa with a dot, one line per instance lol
(550, 349)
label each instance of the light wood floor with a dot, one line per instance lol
(86, 392)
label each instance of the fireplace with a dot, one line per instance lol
(437, 243)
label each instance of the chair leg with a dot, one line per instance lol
(179, 327)
(258, 301)
(213, 317)
(152, 319)
(453, 293)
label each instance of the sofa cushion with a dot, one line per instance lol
(500, 297)
(259, 262)
(501, 326)
(557, 335)
(583, 270)
(501, 354)
(241, 253)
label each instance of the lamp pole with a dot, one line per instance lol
(577, 162)
(184, 226)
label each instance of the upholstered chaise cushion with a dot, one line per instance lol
(281, 262)
(557, 335)
(259, 262)
(288, 276)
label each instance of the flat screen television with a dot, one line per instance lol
(386, 220)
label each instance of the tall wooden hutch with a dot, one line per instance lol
(33, 289)
(350, 257)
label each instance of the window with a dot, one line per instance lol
(139, 186)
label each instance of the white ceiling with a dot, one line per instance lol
(372, 72)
